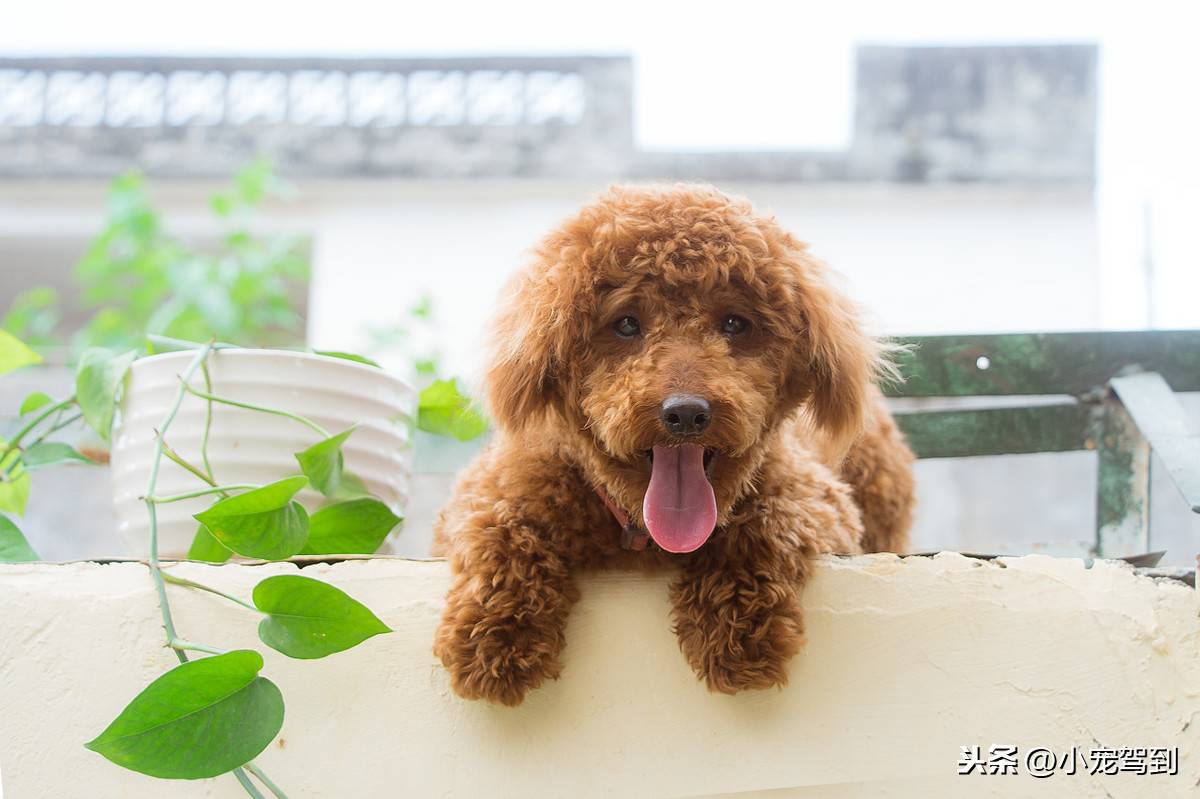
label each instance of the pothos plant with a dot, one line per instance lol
(213, 715)
(442, 407)
(136, 276)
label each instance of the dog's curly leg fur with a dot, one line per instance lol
(503, 626)
(502, 630)
(736, 606)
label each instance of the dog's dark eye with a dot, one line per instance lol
(732, 324)
(627, 327)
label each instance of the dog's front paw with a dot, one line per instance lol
(737, 636)
(489, 657)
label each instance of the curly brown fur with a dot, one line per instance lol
(805, 457)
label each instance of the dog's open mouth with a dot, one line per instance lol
(680, 507)
(709, 454)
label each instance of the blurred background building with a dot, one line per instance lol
(411, 171)
(966, 198)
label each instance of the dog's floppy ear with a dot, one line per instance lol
(836, 362)
(531, 338)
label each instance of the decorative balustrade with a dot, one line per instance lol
(923, 114)
(467, 116)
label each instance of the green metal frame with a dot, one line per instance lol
(1117, 398)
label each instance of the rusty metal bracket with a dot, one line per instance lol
(1122, 480)
(1123, 418)
(1159, 416)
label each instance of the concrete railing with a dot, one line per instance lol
(907, 662)
(450, 117)
(923, 114)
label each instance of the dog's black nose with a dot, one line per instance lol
(685, 414)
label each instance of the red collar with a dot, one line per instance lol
(632, 536)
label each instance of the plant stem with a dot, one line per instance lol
(70, 420)
(10, 462)
(13, 446)
(155, 570)
(41, 417)
(168, 344)
(175, 457)
(11, 467)
(249, 786)
(200, 492)
(181, 645)
(208, 415)
(170, 578)
(253, 768)
(54, 420)
(276, 411)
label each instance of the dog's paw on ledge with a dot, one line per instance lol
(498, 665)
(907, 660)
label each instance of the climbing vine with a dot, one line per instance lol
(211, 715)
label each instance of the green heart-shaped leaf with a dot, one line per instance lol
(351, 487)
(207, 548)
(97, 379)
(307, 618)
(268, 497)
(14, 481)
(356, 527)
(263, 523)
(51, 453)
(38, 399)
(443, 410)
(13, 546)
(200, 719)
(322, 463)
(14, 353)
(271, 535)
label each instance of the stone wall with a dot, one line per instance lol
(1021, 113)
(976, 113)
(432, 117)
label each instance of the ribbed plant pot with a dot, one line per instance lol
(251, 447)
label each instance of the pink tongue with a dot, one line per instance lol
(680, 508)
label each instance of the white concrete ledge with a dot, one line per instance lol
(907, 661)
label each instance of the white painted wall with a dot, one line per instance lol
(920, 259)
(906, 662)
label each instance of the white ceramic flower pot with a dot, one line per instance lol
(252, 447)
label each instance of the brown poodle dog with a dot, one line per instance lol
(675, 367)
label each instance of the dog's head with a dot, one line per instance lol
(667, 332)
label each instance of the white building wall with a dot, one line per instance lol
(921, 259)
